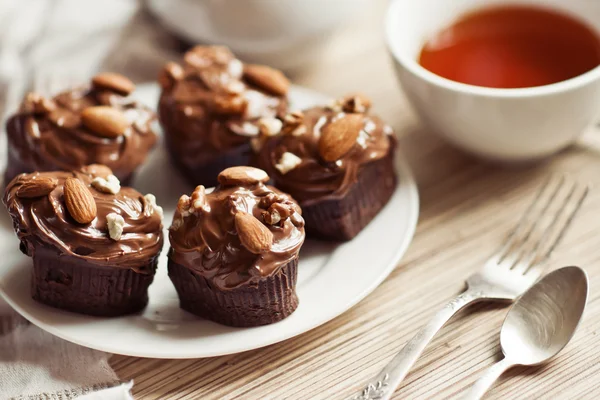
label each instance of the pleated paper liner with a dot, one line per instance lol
(342, 219)
(73, 284)
(271, 300)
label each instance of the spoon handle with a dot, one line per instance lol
(383, 385)
(484, 383)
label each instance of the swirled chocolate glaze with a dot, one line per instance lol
(45, 220)
(48, 134)
(206, 237)
(295, 162)
(213, 103)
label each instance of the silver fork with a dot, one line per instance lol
(505, 276)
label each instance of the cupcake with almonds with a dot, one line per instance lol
(337, 162)
(234, 251)
(98, 123)
(212, 106)
(94, 244)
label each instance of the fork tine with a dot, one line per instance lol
(510, 239)
(537, 248)
(519, 251)
(563, 229)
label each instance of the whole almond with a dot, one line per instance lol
(254, 236)
(95, 170)
(171, 73)
(113, 82)
(105, 121)
(36, 187)
(267, 78)
(242, 176)
(79, 200)
(338, 137)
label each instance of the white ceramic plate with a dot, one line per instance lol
(332, 278)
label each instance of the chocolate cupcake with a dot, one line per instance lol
(212, 106)
(234, 251)
(94, 244)
(81, 126)
(337, 162)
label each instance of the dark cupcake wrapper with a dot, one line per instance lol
(272, 299)
(343, 218)
(73, 284)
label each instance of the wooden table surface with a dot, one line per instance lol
(467, 206)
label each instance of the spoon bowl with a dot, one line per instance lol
(539, 324)
(544, 319)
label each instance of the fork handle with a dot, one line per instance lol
(382, 386)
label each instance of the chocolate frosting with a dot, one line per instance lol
(312, 179)
(206, 239)
(54, 138)
(46, 221)
(208, 105)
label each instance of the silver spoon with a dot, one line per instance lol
(539, 324)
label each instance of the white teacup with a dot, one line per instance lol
(281, 33)
(501, 124)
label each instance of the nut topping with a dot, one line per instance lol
(79, 201)
(114, 82)
(254, 236)
(242, 176)
(271, 217)
(183, 205)
(356, 103)
(35, 103)
(288, 162)
(100, 170)
(269, 126)
(339, 136)
(267, 78)
(284, 210)
(150, 200)
(115, 225)
(230, 105)
(110, 184)
(105, 121)
(198, 199)
(36, 187)
(292, 124)
(171, 73)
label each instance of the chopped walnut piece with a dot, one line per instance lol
(184, 205)
(269, 126)
(151, 201)
(356, 103)
(198, 199)
(115, 225)
(110, 184)
(288, 162)
(271, 217)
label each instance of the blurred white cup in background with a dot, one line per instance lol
(281, 33)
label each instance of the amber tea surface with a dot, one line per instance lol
(512, 47)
